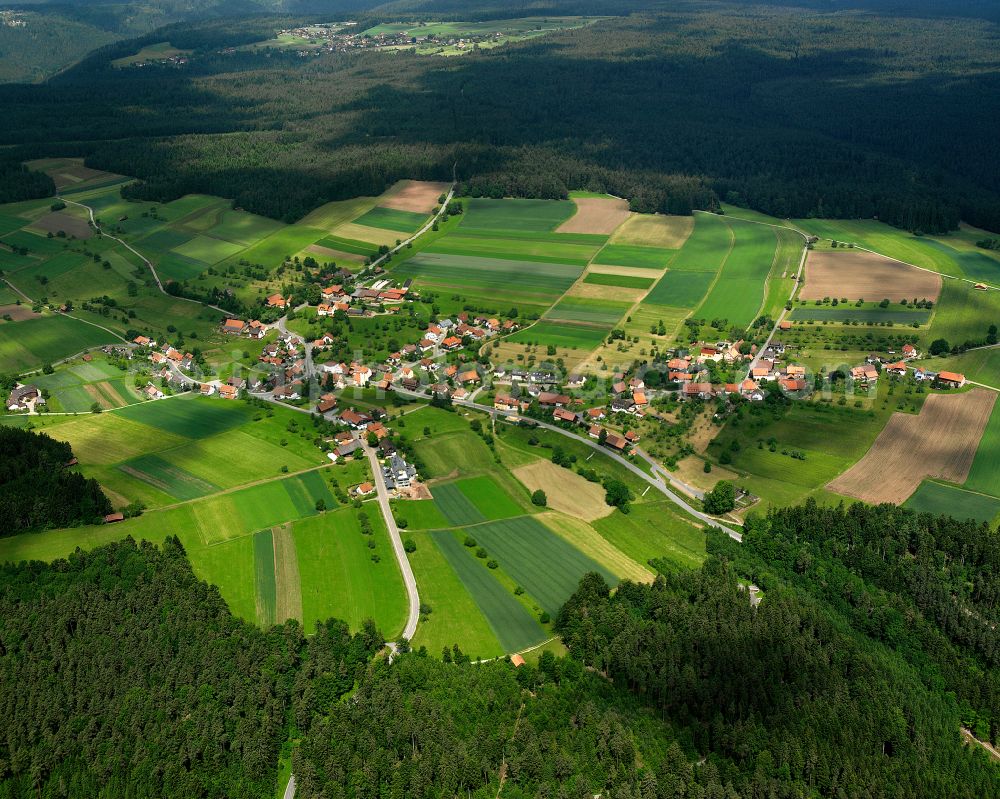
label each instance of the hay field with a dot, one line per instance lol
(419, 196)
(565, 490)
(856, 275)
(654, 230)
(940, 442)
(596, 215)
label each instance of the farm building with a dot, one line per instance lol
(24, 397)
(951, 379)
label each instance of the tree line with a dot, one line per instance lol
(36, 488)
(792, 114)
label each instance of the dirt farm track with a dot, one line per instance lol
(940, 442)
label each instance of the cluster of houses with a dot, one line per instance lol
(24, 397)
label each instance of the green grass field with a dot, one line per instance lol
(984, 475)
(168, 478)
(509, 620)
(622, 281)
(654, 530)
(522, 215)
(272, 250)
(844, 313)
(603, 313)
(963, 313)
(352, 246)
(490, 499)
(546, 565)
(392, 219)
(551, 248)
(264, 583)
(33, 342)
(455, 616)
(560, 334)
(739, 292)
(947, 500)
(339, 578)
(708, 246)
(981, 366)
(493, 278)
(455, 506)
(192, 417)
(420, 514)
(680, 289)
(207, 249)
(634, 255)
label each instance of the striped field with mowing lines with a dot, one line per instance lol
(547, 566)
(170, 479)
(265, 588)
(510, 621)
(456, 506)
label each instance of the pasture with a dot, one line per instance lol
(680, 289)
(603, 313)
(334, 214)
(856, 274)
(963, 313)
(519, 215)
(511, 623)
(940, 442)
(708, 246)
(189, 416)
(392, 219)
(492, 278)
(654, 230)
(896, 314)
(350, 246)
(559, 334)
(33, 342)
(634, 255)
(622, 281)
(947, 500)
(596, 215)
(551, 248)
(654, 530)
(739, 291)
(979, 365)
(984, 474)
(547, 566)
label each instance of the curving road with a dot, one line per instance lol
(656, 482)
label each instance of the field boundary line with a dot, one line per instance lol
(718, 275)
(145, 260)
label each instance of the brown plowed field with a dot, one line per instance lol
(70, 225)
(419, 196)
(860, 275)
(940, 442)
(596, 215)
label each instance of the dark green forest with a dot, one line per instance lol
(37, 490)
(848, 679)
(784, 110)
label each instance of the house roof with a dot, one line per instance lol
(951, 377)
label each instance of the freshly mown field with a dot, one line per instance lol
(623, 281)
(547, 566)
(848, 313)
(392, 219)
(510, 621)
(634, 255)
(946, 500)
(168, 478)
(530, 215)
(648, 230)
(33, 342)
(940, 442)
(653, 530)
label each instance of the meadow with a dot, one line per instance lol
(560, 334)
(547, 248)
(634, 255)
(31, 343)
(948, 500)
(392, 219)
(739, 292)
(622, 281)
(680, 289)
(869, 315)
(516, 215)
(78, 386)
(495, 279)
(601, 313)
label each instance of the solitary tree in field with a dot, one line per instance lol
(539, 498)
